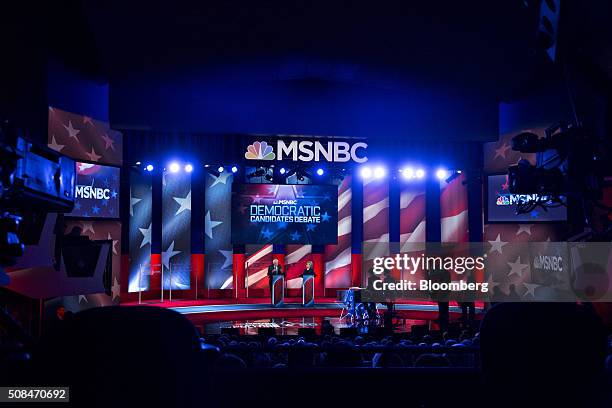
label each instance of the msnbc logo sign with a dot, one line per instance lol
(306, 151)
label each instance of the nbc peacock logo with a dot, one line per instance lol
(260, 151)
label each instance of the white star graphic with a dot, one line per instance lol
(222, 179)
(133, 201)
(210, 224)
(108, 142)
(184, 203)
(54, 145)
(114, 243)
(88, 226)
(116, 289)
(501, 151)
(497, 245)
(83, 297)
(516, 267)
(92, 155)
(531, 287)
(146, 235)
(526, 228)
(169, 253)
(87, 119)
(228, 258)
(72, 132)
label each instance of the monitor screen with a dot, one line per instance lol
(284, 214)
(502, 205)
(97, 191)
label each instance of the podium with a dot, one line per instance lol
(308, 290)
(278, 290)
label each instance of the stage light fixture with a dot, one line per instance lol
(149, 167)
(188, 168)
(366, 172)
(174, 167)
(379, 172)
(282, 170)
(320, 172)
(138, 163)
(234, 169)
(441, 174)
(408, 173)
(220, 169)
(420, 173)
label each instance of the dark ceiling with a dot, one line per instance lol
(487, 48)
(482, 44)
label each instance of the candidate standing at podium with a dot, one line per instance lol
(309, 270)
(274, 269)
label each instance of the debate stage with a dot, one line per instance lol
(248, 315)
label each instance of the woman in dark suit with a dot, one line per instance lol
(309, 269)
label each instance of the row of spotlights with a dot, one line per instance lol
(408, 173)
(378, 172)
(366, 172)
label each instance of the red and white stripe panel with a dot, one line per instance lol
(375, 218)
(412, 224)
(295, 262)
(412, 215)
(454, 210)
(338, 257)
(257, 267)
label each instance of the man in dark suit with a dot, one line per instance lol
(274, 269)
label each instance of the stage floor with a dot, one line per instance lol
(250, 314)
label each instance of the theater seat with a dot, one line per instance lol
(136, 356)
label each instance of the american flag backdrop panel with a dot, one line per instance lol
(295, 263)
(217, 231)
(141, 224)
(412, 222)
(454, 210)
(512, 275)
(100, 231)
(375, 218)
(258, 258)
(84, 138)
(412, 213)
(176, 230)
(338, 257)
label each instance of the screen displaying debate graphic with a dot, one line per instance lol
(97, 191)
(502, 205)
(284, 214)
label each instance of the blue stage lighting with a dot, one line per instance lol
(366, 172)
(380, 172)
(282, 170)
(234, 169)
(420, 173)
(320, 172)
(408, 173)
(441, 174)
(188, 168)
(138, 163)
(149, 167)
(174, 167)
(220, 169)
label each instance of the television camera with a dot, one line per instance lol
(570, 167)
(34, 181)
